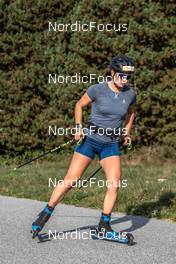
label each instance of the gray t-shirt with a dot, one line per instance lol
(108, 109)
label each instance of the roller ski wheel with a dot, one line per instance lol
(113, 236)
(39, 223)
(130, 239)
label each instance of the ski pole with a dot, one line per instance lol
(46, 153)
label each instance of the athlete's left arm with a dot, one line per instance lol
(130, 119)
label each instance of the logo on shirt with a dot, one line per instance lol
(123, 102)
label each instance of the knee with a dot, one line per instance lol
(112, 187)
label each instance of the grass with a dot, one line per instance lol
(150, 187)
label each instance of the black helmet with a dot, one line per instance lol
(122, 64)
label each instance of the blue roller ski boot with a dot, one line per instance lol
(43, 217)
(105, 232)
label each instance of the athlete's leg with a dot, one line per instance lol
(76, 169)
(112, 168)
(77, 166)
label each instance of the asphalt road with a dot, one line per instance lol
(65, 238)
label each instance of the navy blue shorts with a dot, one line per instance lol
(90, 147)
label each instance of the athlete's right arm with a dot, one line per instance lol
(83, 101)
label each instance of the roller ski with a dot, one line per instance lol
(105, 232)
(39, 223)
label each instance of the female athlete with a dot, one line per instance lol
(112, 116)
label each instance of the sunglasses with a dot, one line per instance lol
(122, 76)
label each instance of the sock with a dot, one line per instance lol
(105, 217)
(48, 209)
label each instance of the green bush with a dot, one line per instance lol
(29, 53)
